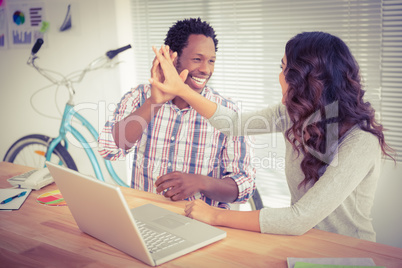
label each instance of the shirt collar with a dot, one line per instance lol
(204, 92)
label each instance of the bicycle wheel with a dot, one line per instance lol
(255, 201)
(31, 151)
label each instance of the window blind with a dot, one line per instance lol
(391, 73)
(252, 35)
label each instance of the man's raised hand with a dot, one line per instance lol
(173, 82)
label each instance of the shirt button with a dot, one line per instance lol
(172, 138)
(169, 164)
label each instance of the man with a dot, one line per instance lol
(176, 151)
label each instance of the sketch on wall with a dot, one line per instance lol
(3, 26)
(25, 22)
(21, 24)
(67, 21)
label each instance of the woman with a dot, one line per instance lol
(333, 142)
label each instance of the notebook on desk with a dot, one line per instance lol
(101, 211)
(12, 199)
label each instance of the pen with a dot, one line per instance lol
(5, 201)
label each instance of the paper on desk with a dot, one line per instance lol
(16, 202)
(52, 198)
(331, 262)
(315, 265)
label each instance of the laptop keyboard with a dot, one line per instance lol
(157, 240)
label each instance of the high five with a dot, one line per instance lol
(333, 142)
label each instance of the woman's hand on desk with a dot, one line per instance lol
(199, 210)
(245, 220)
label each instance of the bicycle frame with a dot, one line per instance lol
(69, 112)
(66, 127)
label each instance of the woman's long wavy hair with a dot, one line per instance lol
(322, 73)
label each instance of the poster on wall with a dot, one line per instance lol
(25, 23)
(3, 25)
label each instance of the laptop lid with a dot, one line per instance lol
(100, 210)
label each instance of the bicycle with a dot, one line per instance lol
(35, 149)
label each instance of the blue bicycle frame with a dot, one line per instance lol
(66, 127)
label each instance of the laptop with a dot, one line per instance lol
(101, 211)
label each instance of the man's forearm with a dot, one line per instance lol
(223, 190)
(127, 131)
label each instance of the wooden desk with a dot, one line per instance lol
(41, 236)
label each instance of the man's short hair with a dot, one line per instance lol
(177, 36)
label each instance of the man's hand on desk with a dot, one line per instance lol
(178, 185)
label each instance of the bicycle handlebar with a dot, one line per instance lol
(37, 46)
(75, 77)
(113, 53)
(110, 54)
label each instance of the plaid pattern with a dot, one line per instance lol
(181, 140)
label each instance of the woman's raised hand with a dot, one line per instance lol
(173, 82)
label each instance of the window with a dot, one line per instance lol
(252, 35)
(391, 73)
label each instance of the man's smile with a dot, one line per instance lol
(198, 80)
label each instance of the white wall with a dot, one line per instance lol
(93, 33)
(387, 213)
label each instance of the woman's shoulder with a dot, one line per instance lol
(358, 139)
(356, 134)
(141, 89)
